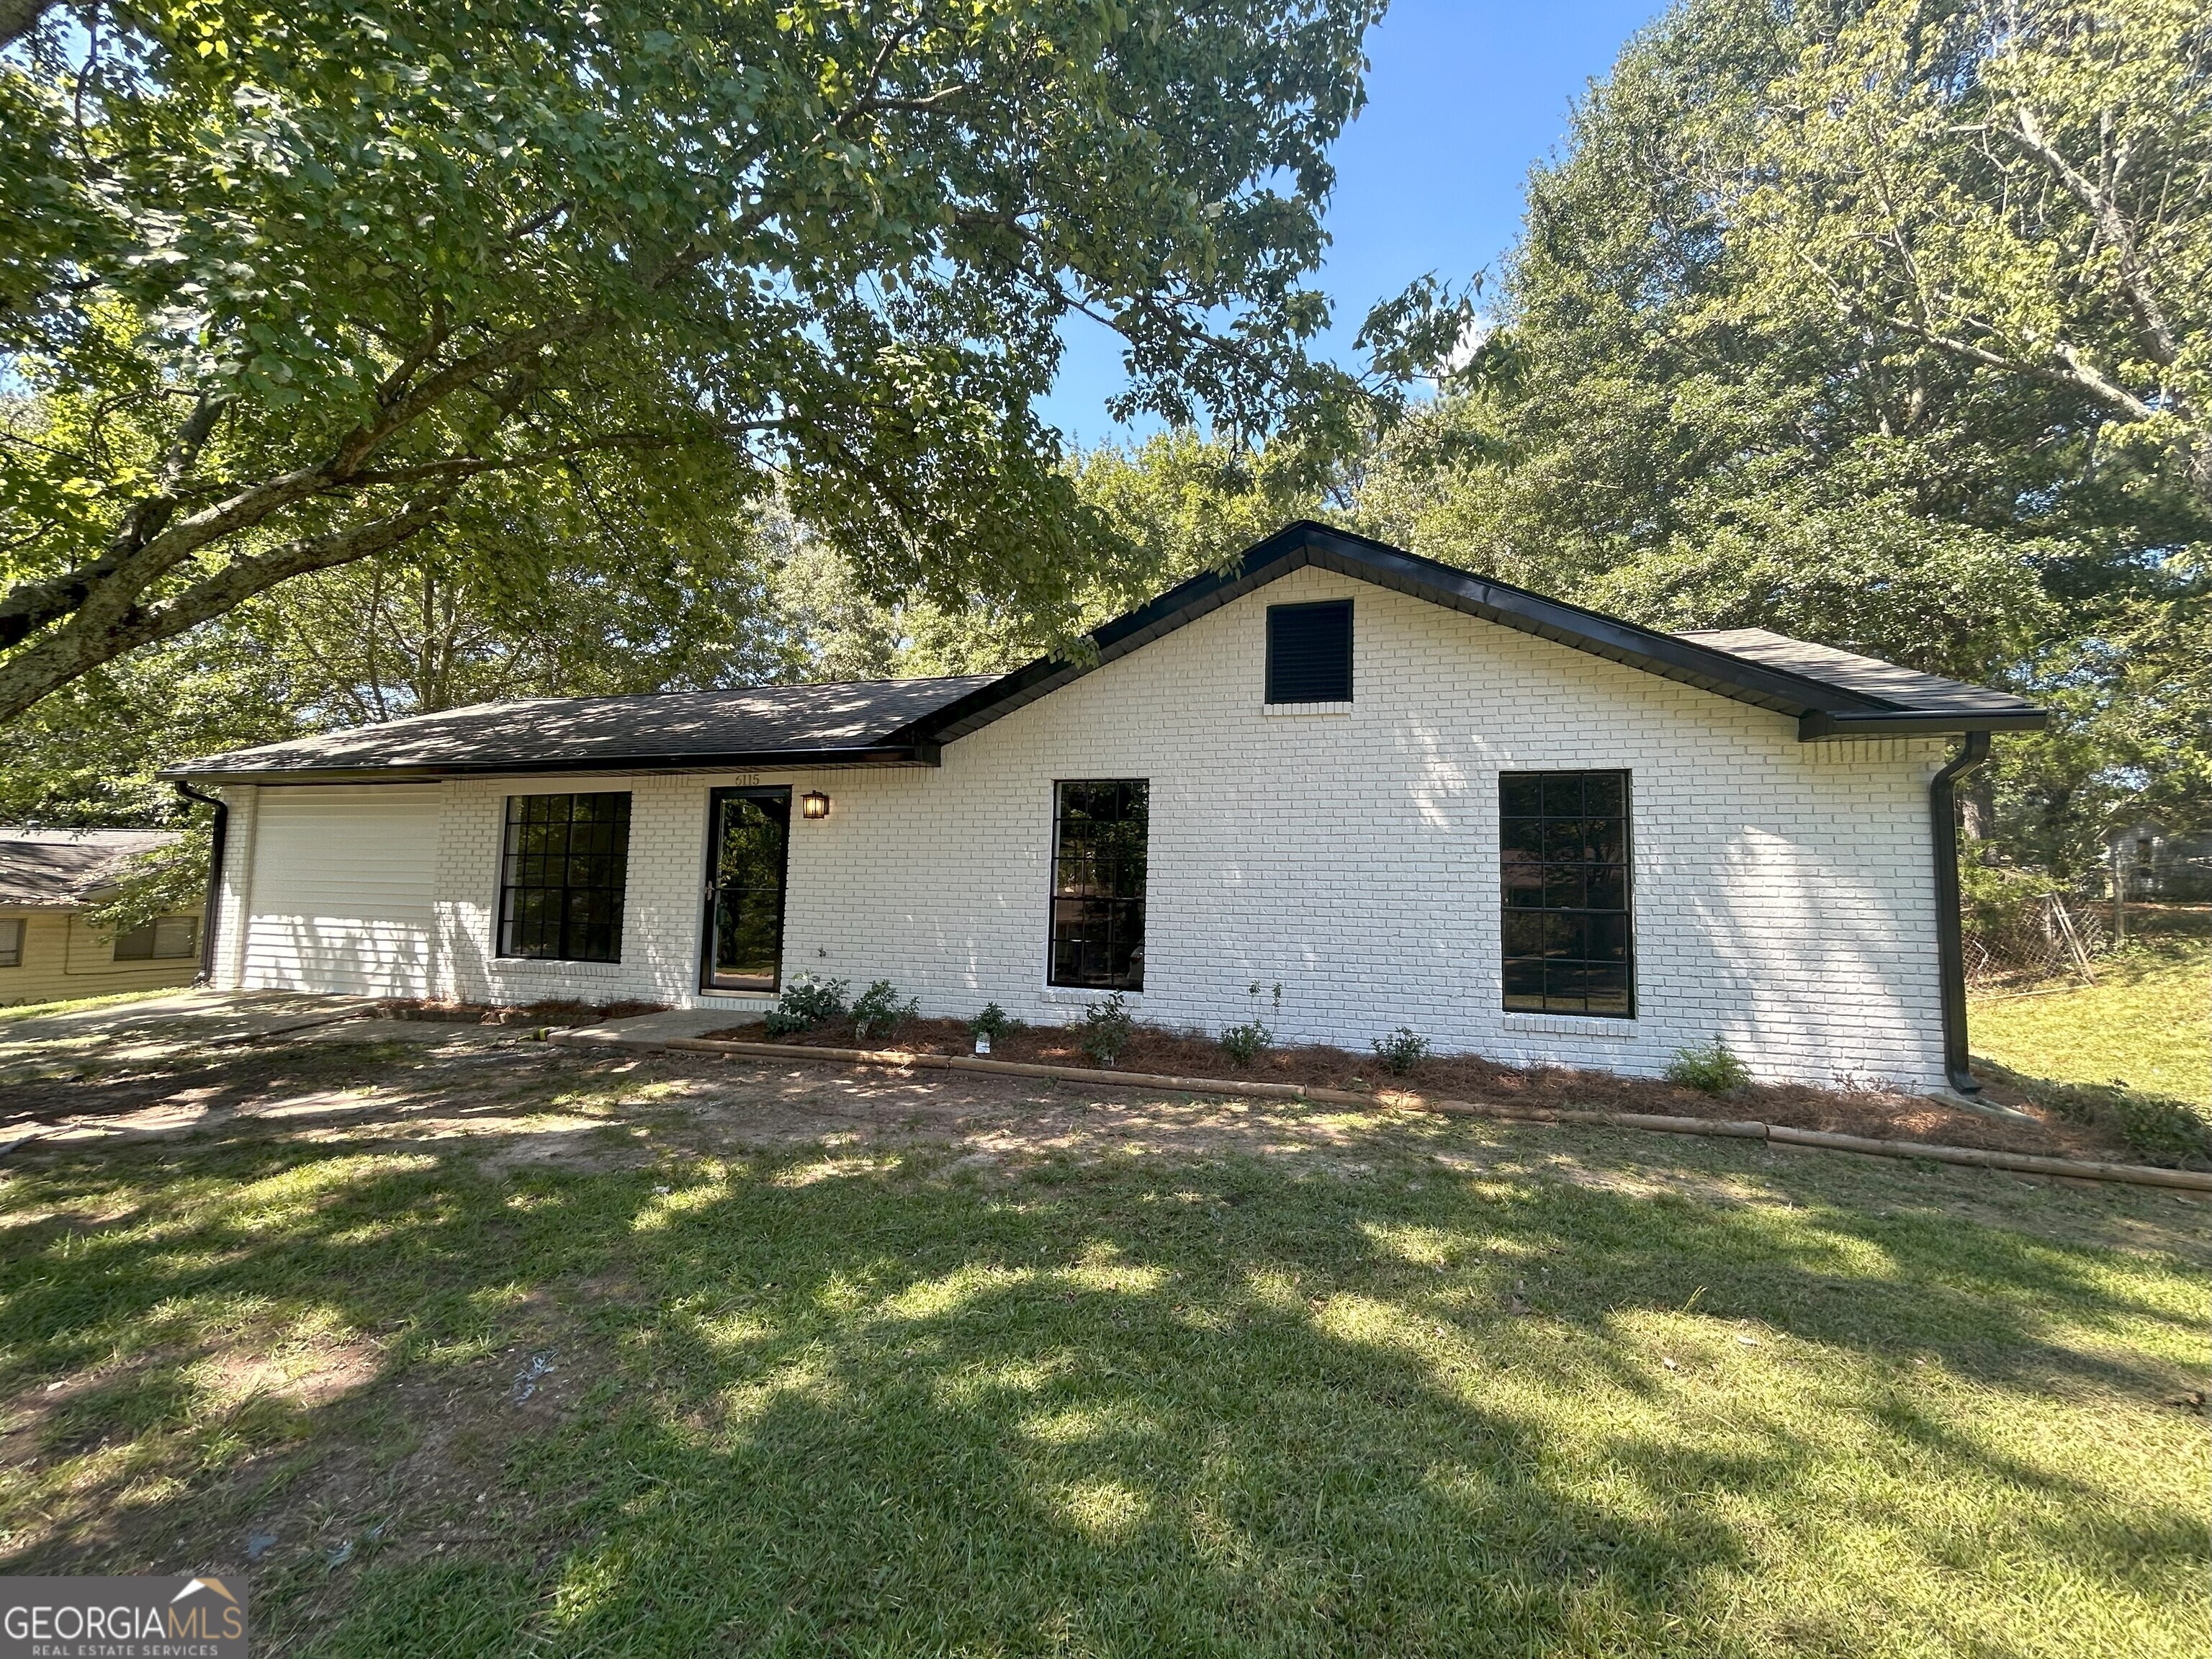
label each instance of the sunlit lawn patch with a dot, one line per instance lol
(2147, 1023)
(1434, 1401)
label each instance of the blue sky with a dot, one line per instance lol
(1463, 95)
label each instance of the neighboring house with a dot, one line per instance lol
(2152, 866)
(1412, 796)
(48, 951)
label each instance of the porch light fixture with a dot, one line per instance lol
(814, 804)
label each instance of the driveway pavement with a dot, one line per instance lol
(57, 1045)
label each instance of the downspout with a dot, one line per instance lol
(1950, 945)
(216, 840)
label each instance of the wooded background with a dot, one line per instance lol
(382, 358)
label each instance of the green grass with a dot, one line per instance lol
(79, 1005)
(2147, 1023)
(1412, 1398)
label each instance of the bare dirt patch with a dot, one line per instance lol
(1868, 1109)
(554, 1011)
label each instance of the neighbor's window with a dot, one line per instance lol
(11, 942)
(1098, 834)
(561, 886)
(1568, 943)
(163, 939)
(1309, 653)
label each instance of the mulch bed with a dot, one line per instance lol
(1881, 1114)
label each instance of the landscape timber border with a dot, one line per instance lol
(1745, 1129)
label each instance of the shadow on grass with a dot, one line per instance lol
(861, 1400)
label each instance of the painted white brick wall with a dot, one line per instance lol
(1783, 894)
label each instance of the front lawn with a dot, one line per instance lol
(551, 1354)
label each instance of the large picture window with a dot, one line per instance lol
(1099, 840)
(1568, 948)
(561, 886)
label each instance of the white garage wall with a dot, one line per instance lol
(342, 887)
(1783, 893)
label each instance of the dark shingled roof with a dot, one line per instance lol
(61, 869)
(1900, 688)
(1829, 693)
(848, 723)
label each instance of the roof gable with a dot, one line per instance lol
(1829, 693)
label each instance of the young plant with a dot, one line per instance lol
(878, 1009)
(1402, 1051)
(807, 1002)
(1106, 1029)
(1712, 1069)
(1246, 1043)
(992, 1026)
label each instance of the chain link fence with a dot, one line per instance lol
(2049, 939)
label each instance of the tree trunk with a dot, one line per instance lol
(16, 17)
(1977, 809)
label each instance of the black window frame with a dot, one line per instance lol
(1567, 898)
(1281, 614)
(1069, 939)
(143, 943)
(13, 956)
(553, 872)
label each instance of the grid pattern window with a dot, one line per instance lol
(1309, 653)
(11, 942)
(1568, 946)
(1098, 852)
(166, 939)
(566, 862)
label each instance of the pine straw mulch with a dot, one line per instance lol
(1886, 1114)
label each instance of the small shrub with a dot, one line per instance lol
(806, 1003)
(993, 1023)
(1713, 1069)
(1402, 1051)
(1246, 1043)
(2164, 1132)
(878, 1009)
(1106, 1029)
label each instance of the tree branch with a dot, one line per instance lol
(86, 640)
(2104, 207)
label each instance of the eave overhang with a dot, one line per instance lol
(898, 754)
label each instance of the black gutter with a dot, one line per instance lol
(1835, 723)
(918, 753)
(218, 842)
(1950, 943)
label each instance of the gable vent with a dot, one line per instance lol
(1309, 653)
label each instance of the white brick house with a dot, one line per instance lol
(1520, 827)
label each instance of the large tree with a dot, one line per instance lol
(1721, 389)
(281, 289)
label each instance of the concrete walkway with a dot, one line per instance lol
(669, 1022)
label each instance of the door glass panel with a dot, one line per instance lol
(745, 910)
